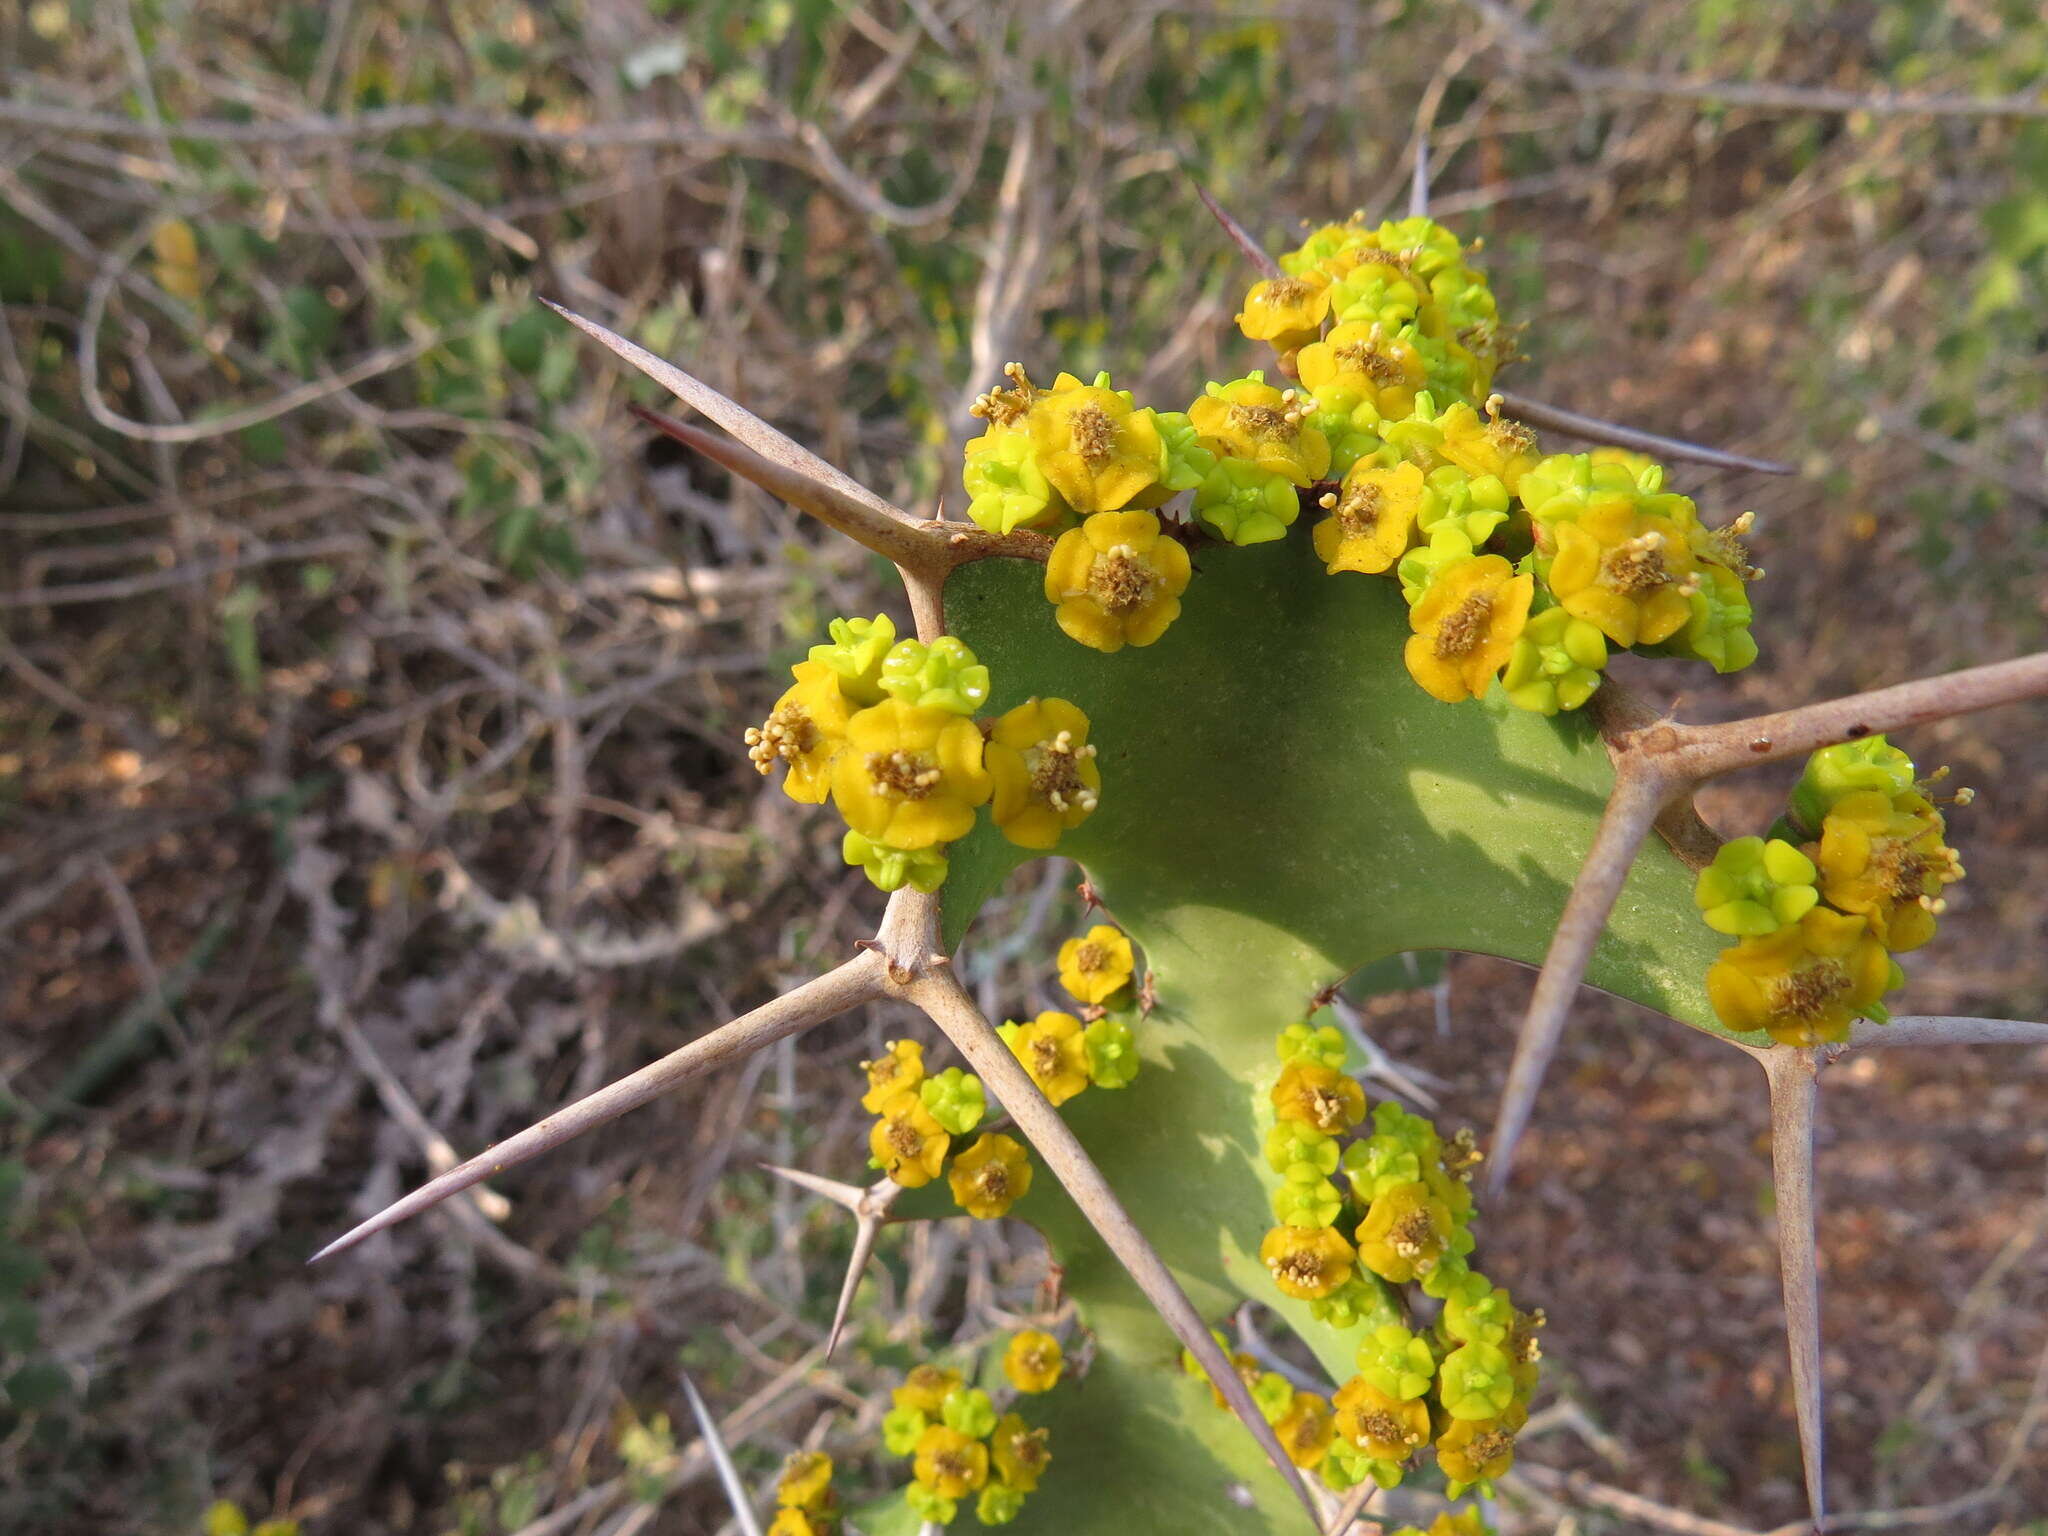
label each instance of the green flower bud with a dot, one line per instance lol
(1006, 489)
(1449, 546)
(968, 1410)
(1362, 1301)
(1183, 462)
(1401, 1150)
(1352, 424)
(1375, 292)
(1112, 1053)
(1400, 1364)
(927, 1504)
(1304, 1045)
(942, 675)
(1756, 887)
(1246, 504)
(1718, 630)
(1451, 1267)
(1476, 1381)
(1290, 1145)
(1556, 663)
(1832, 772)
(1306, 1199)
(998, 1504)
(955, 1100)
(900, 1429)
(890, 869)
(1476, 1311)
(1473, 504)
(1274, 1394)
(856, 653)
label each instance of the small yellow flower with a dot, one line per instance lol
(1046, 780)
(1306, 1262)
(910, 775)
(1406, 1230)
(1097, 450)
(949, 1463)
(1372, 518)
(1252, 420)
(1053, 1052)
(900, 1070)
(1319, 1097)
(1116, 580)
(924, 1389)
(1098, 965)
(1021, 1454)
(1630, 572)
(1490, 446)
(1287, 311)
(1306, 1429)
(908, 1142)
(1804, 983)
(1887, 863)
(1386, 370)
(794, 1522)
(1377, 1425)
(806, 730)
(990, 1176)
(1033, 1361)
(806, 1481)
(1466, 624)
(1479, 1450)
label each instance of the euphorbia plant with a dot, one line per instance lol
(1310, 673)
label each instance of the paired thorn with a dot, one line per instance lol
(721, 1458)
(871, 1209)
(1254, 252)
(1593, 429)
(1418, 189)
(858, 981)
(1794, 1081)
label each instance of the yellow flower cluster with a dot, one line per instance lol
(963, 1443)
(887, 731)
(918, 1120)
(1065, 1054)
(805, 1504)
(1518, 569)
(1367, 1203)
(1863, 866)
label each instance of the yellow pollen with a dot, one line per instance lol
(1380, 1427)
(1489, 1447)
(1089, 957)
(1636, 566)
(1363, 357)
(1899, 870)
(1301, 1268)
(1358, 509)
(1326, 1108)
(1045, 1057)
(1809, 992)
(1463, 630)
(1510, 437)
(1412, 1235)
(1056, 779)
(1289, 290)
(904, 1139)
(902, 775)
(1120, 582)
(1264, 420)
(1093, 435)
(992, 1181)
(785, 735)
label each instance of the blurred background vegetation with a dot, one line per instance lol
(371, 689)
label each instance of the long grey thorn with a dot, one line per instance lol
(734, 417)
(1632, 810)
(1795, 1084)
(1917, 1029)
(857, 981)
(1418, 188)
(907, 544)
(1254, 252)
(721, 1458)
(939, 993)
(871, 1208)
(1593, 429)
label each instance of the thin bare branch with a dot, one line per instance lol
(1633, 1506)
(721, 1458)
(939, 993)
(1632, 809)
(1690, 753)
(1795, 1084)
(1591, 428)
(906, 543)
(859, 980)
(1343, 1522)
(1254, 252)
(1916, 1029)
(742, 423)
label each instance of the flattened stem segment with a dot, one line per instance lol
(939, 993)
(859, 980)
